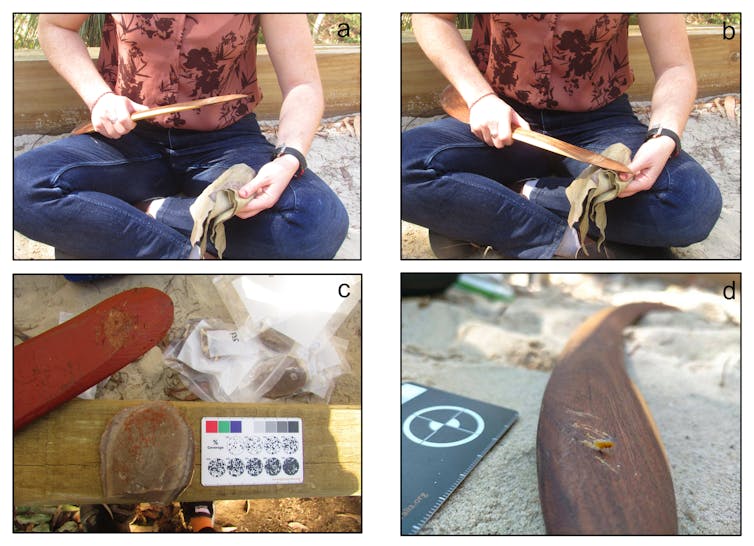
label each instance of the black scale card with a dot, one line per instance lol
(443, 437)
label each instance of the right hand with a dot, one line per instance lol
(493, 121)
(111, 115)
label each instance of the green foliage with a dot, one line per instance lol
(91, 30)
(405, 21)
(25, 30)
(465, 20)
(326, 27)
(713, 18)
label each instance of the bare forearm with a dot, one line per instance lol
(300, 115)
(443, 45)
(68, 55)
(667, 44)
(672, 98)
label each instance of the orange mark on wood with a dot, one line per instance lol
(117, 328)
(599, 444)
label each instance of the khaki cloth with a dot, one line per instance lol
(589, 192)
(217, 204)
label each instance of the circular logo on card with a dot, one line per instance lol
(443, 426)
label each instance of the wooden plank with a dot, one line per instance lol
(56, 459)
(44, 103)
(717, 63)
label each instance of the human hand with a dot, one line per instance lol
(493, 121)
(268, 185)
(647, 165)
(111, 115)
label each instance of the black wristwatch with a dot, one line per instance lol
(287, 150)
(658, 130)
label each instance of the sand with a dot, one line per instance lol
(687, 365)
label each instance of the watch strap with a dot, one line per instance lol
(287, 150)
(659, 130)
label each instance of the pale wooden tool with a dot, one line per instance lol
(454, 105)
(167, 109)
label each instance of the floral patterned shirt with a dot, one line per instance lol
(156, 60)
(573, 62)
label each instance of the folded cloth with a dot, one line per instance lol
(217, 204)
(589, 192)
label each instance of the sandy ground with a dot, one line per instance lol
(711, 137)
(37, 302)
(335, 156)
(687, 366)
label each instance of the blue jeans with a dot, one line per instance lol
(77, 194)
(456, 185)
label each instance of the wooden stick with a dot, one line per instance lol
(167, 109)
(454, 105)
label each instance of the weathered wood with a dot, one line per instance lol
(44, 103)
(56, 459)
(717, 62)
(601, 465)
(57, 365)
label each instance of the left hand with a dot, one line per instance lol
(268, 185)
(647, 165)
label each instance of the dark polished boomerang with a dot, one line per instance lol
(601, 465)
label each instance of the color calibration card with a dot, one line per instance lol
(443, 437)
(252, 451)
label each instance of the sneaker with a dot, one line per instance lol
(192, 510)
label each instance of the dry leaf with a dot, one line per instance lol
(730, 107)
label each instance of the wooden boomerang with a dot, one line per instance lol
(62, 362)
(601, 465)
(455, 106)
(167, 109)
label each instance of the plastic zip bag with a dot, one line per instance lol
(218, 364)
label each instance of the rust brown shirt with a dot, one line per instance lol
(156, 60)
(573, 62)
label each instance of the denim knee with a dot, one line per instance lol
(325, 235)
(696, 204)
(28, 194)
(411, 159)
(313, 225)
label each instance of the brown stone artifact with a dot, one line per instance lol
(146, 454)
(291, 380)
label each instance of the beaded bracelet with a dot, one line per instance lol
(98, 98)
(480, 98)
